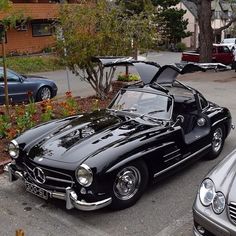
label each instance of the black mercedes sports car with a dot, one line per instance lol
(108, 157)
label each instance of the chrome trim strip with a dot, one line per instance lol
(171, 153)
(173, 157)
(72, 201)
(233, 203)
(15, 143)
(180, 162)
(60, 180)
(232, 211)
(219, 121)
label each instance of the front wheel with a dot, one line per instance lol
(44, 93)
(217, 142)
(129, 185)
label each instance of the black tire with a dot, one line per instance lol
(217, 141)
(44, 93)
(136, 176)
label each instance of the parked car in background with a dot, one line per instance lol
(20, 86)
(229, 42)
(214, 209)
(220, 54)
(107, 157)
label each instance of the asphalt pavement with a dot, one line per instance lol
(165, 208)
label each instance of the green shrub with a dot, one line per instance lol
(128, 77)
(180, 46)
(26, 65)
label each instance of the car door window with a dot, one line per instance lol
(12, 77)
(226, 49)
(203, 101)
(1, 76)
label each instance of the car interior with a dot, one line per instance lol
(185, 105)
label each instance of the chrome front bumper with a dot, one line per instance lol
(70, 196)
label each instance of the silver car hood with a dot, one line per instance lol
(224, 177)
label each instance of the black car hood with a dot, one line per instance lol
(224, 177)
(85, 136)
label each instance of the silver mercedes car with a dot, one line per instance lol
(214, 209)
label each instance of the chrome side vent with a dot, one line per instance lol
(232, 211)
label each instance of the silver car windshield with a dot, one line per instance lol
(143, 103)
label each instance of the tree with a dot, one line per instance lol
(100, 29)
(5, 5)
(206, 31)
(132, 7)
(170, 20)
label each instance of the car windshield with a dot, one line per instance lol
(143, 103)
(229, 40)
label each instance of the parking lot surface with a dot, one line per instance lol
(165, 208)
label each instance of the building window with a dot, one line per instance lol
(42, 29)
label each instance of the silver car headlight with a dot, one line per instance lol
(13, 149)
(218, 203)
(84, 175)
(209, 196)
(207, 192)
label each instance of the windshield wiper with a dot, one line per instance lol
(112, 110)
(148, 115)
(151, 113)
(130, 109)
(155, 111)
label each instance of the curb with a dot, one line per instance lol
(2, 164)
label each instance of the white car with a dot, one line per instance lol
(230, 42)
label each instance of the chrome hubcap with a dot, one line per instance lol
(217, 139)
(45, 93)
(127, 183)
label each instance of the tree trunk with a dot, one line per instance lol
(206, 32)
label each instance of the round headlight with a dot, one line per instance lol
(207, 192)
(84, 175)
(13, 149)
(218, 203)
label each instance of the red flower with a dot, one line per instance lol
(30, 94)
(69, 94)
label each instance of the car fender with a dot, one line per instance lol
(136, 156)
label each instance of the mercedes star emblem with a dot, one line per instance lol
(39, 175)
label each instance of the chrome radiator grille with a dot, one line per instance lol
(232, 211)
(53, 179)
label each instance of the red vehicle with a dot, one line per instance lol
(220, 54)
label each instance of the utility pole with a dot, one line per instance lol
(2, 38)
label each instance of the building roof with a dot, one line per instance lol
(191, 6)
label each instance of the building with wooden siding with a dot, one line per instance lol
(37, 34)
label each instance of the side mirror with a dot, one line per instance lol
(179, 120)
(21, 79)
